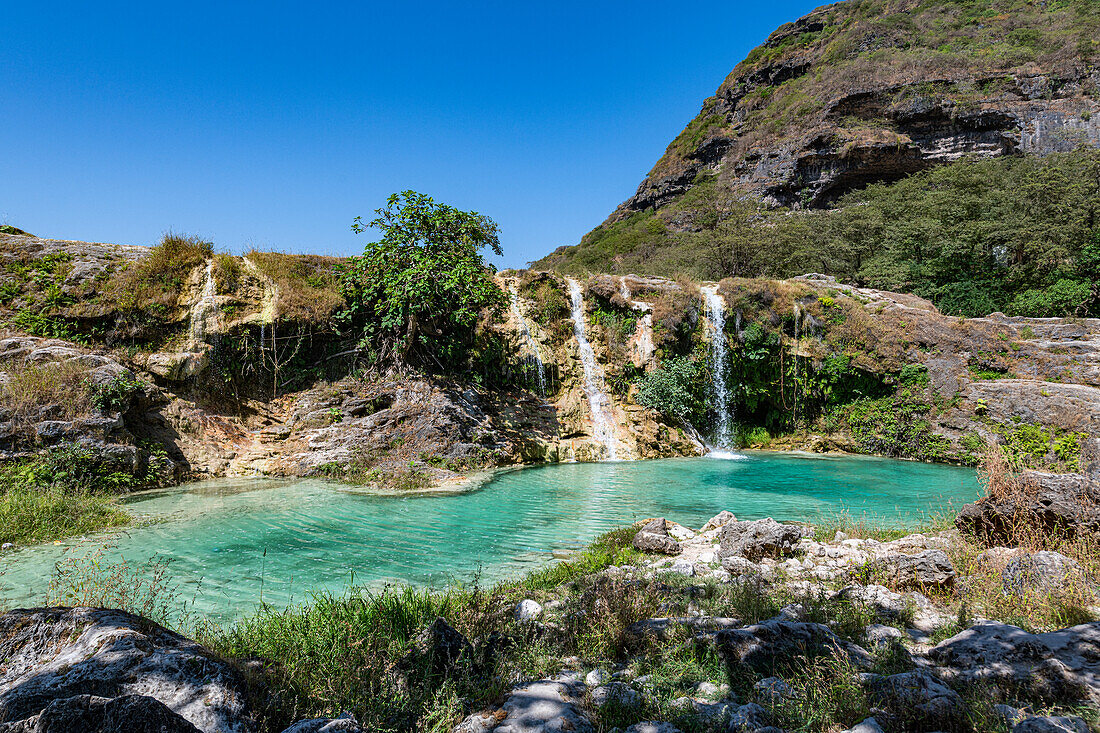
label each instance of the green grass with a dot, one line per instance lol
(28, 515)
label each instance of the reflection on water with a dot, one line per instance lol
(228, 539)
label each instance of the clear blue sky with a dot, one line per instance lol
(273, 125)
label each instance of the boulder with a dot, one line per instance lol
(920, 696)
(654, 537)
(870, 725)
(102, 661)
(1056, 666)
(778, 640)
(750, 718)
(442, 647)
(544, 705)
(616, 695)
(1042, 571)
(527, 610)
(91, 714)
(928, 569)
(718, 520)
(758, 539)
(1065, 503)
(1051, 724)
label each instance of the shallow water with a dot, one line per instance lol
(227, 540)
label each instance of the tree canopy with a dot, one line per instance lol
(416, 295)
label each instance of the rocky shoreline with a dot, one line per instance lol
(883, 614)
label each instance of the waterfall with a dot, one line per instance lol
(797, 323)
(598, 401)
(532, 345)
(641, 343)
(716, 326)
(204, 312)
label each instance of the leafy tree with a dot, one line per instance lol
(416, 295)
(670, 388)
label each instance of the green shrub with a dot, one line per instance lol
(671, 388)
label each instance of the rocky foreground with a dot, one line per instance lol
(921, 665)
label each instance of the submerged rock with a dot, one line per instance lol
(103, 661)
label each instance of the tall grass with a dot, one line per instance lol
(30, 515)
(29, 388)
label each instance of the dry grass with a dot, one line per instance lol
(28, 388)
(156, 282)
(307, 284)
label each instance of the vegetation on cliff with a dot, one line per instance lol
(1019, 235)
(417, 296)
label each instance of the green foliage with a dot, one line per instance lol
(61, 492)
(114, 395)
(1017, 234)
(672, 389)
(414, 297)
(1034, 446)
(891, 426)
(1064, 298)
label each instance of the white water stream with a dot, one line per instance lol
(715, 313)
(532, 345)
(642, 341)
(594, 385)
(204, 312)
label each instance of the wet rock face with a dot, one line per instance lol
(94, 664)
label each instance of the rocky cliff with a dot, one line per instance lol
(870, 91)
(231, 377)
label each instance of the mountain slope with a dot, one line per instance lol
(855, 93)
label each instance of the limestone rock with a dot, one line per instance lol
(527, 610)
(1042, 571)
(652, 726)
(1051, 724)
(653, 537)
(758, 539)
(761, 645)
(1064, 503)
(1058, 665)
(443, 646)
(125, 714)
(721, 518)
(870, 725)
(918, 695)
(56, 654)
(929, 569)
(542, 707)
(326, 725)
(616, 695)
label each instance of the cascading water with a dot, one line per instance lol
(642, 341)
(794, 351)
(716, 326)
(532, 345)
(598, 401)
(204, 313)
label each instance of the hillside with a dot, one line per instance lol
(856, 93)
